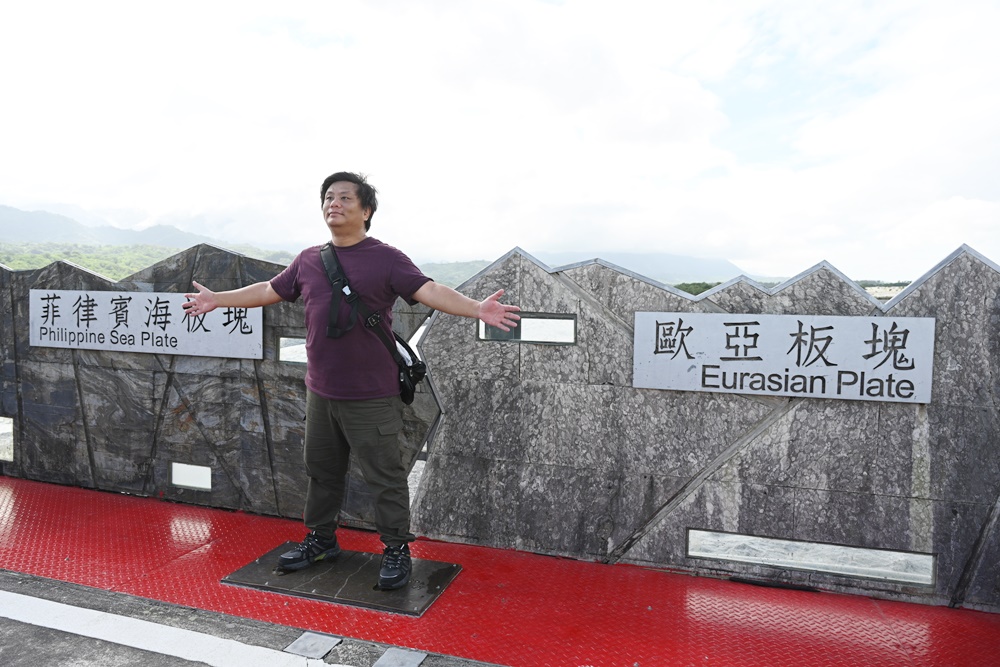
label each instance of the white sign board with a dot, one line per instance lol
(859, 358)
(151, 322)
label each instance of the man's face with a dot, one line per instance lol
(342, 208)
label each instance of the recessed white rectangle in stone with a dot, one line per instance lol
(292, 350)
(882, 564)
(6, 439)
(543, 328)
(191, 477)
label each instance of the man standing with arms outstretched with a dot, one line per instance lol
(352, 385)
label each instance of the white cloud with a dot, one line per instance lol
(773, 133)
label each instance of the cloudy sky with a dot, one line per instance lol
(772, 133)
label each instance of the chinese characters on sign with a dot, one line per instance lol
(152, 322)
(860, 358)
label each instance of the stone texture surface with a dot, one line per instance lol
(116, 421)
(549, 448)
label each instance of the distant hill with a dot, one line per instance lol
(452, 274)
(17, 226)
(662, 267)
(111, 261)
(34, 239)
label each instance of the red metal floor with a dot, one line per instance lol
(505, 607)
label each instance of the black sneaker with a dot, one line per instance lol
(395, 570)
(312, 549)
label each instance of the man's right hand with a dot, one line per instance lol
(200, 302)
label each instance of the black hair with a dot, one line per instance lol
(366, 193)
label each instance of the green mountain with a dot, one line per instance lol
(32, 239)
(17, 226)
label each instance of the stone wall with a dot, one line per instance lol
(550, 449)
(116, 421)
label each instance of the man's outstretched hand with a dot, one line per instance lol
(497, 314)
(200, 302)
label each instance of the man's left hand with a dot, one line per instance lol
(497, 314)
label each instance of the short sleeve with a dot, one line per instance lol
(286, 284)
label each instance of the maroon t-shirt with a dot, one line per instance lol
(357, 365)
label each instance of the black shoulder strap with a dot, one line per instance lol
(340, 290)
(341, 287)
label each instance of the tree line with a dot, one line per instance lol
(119, 262)
(112, 262)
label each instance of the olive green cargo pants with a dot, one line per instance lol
(369, 430)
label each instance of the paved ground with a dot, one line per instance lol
(95, 578)
(24, 644)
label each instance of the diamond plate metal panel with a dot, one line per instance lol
(507, 607)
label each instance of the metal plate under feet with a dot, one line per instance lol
(349, 579)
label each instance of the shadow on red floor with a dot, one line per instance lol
(505, 607)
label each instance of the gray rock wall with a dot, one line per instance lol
(116, 420)
(550, 449)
